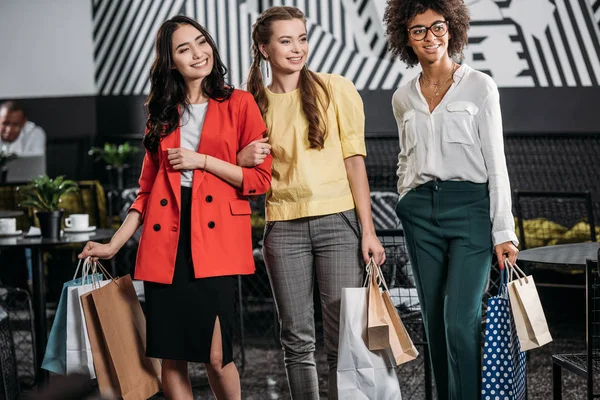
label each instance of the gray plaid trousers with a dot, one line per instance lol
(295, 251)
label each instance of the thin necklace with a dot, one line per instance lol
(437, 86)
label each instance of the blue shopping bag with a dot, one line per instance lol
(55, 357)
(503, 370)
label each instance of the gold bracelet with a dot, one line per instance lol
(205, 161)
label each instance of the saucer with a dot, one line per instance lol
(10, 234)
(83, 230)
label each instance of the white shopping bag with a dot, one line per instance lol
(79, 351)
(362, 373)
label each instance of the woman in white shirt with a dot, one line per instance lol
(455, 203)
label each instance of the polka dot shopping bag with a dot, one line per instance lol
(503, 369)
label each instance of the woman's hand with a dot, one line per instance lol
(504, 249)
(98, 250)
(254, 153)
(371, 247)
(185, 159)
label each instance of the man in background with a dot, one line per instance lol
(18, 135)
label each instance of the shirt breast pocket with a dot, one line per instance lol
(459, 122)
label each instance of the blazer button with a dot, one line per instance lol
(156, 227)
(209, 198)
(164, 202)
(211, 224)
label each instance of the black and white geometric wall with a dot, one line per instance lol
(520, 43)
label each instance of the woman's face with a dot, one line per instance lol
(287, 49)
(191, 53)
(430, 45)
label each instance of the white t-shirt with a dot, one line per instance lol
(30, 142)
(461, 140)
(192, 121)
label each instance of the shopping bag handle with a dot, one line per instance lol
(375, 270)
(84, 270)
(503, 282)
(514, 269)
(104, 271)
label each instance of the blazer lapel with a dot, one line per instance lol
(172, 141)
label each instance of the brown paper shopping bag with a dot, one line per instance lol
(402, 346)
(382, 310)
(378, 328)
(527, 310)
(117, 331)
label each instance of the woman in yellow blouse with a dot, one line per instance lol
(316, 136)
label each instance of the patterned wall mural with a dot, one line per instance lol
(520, 43)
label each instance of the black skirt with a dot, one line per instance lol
(180, 317)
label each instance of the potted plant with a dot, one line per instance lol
(44, 195)
(4, 158)
(115, 157)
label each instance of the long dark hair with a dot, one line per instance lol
(167, 87)
(313, 91)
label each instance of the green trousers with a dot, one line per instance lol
(448, 234)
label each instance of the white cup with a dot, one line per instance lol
(8, 225)
(78, 221)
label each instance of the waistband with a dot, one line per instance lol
(454, 186)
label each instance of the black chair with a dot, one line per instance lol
(9, 380)
(585, 364)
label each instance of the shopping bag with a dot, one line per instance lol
(362, 373)
(55, 356)
(117, 332)
(378, 333)
(401, 344)
(527, 310)
(399, 340)
(503, 370)
(79, 358)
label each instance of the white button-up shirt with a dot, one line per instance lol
(30, 142)
(461, 140)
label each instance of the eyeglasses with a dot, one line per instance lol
(438, 29)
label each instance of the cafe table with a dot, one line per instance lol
(38, 245)
(574, 254)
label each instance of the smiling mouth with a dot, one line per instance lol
(295, 59)
(200, 64)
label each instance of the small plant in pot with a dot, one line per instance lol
(115, 157)
(44, 195)
(5, 158)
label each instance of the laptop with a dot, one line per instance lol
(23, 169)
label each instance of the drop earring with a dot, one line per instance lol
(268, 67)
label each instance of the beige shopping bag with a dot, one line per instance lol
(527, 310)
(398, 338)
(378, 328)
(117, 331)
(402, 346)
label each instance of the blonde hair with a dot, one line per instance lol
(313, 91)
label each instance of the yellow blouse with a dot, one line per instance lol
(309, 182)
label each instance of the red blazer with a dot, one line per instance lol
(221, 231)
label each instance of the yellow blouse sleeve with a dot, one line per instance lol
(350, 116)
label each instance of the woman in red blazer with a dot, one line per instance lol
(193, 205)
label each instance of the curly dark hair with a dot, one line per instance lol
(399, 13)
(167, 87)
